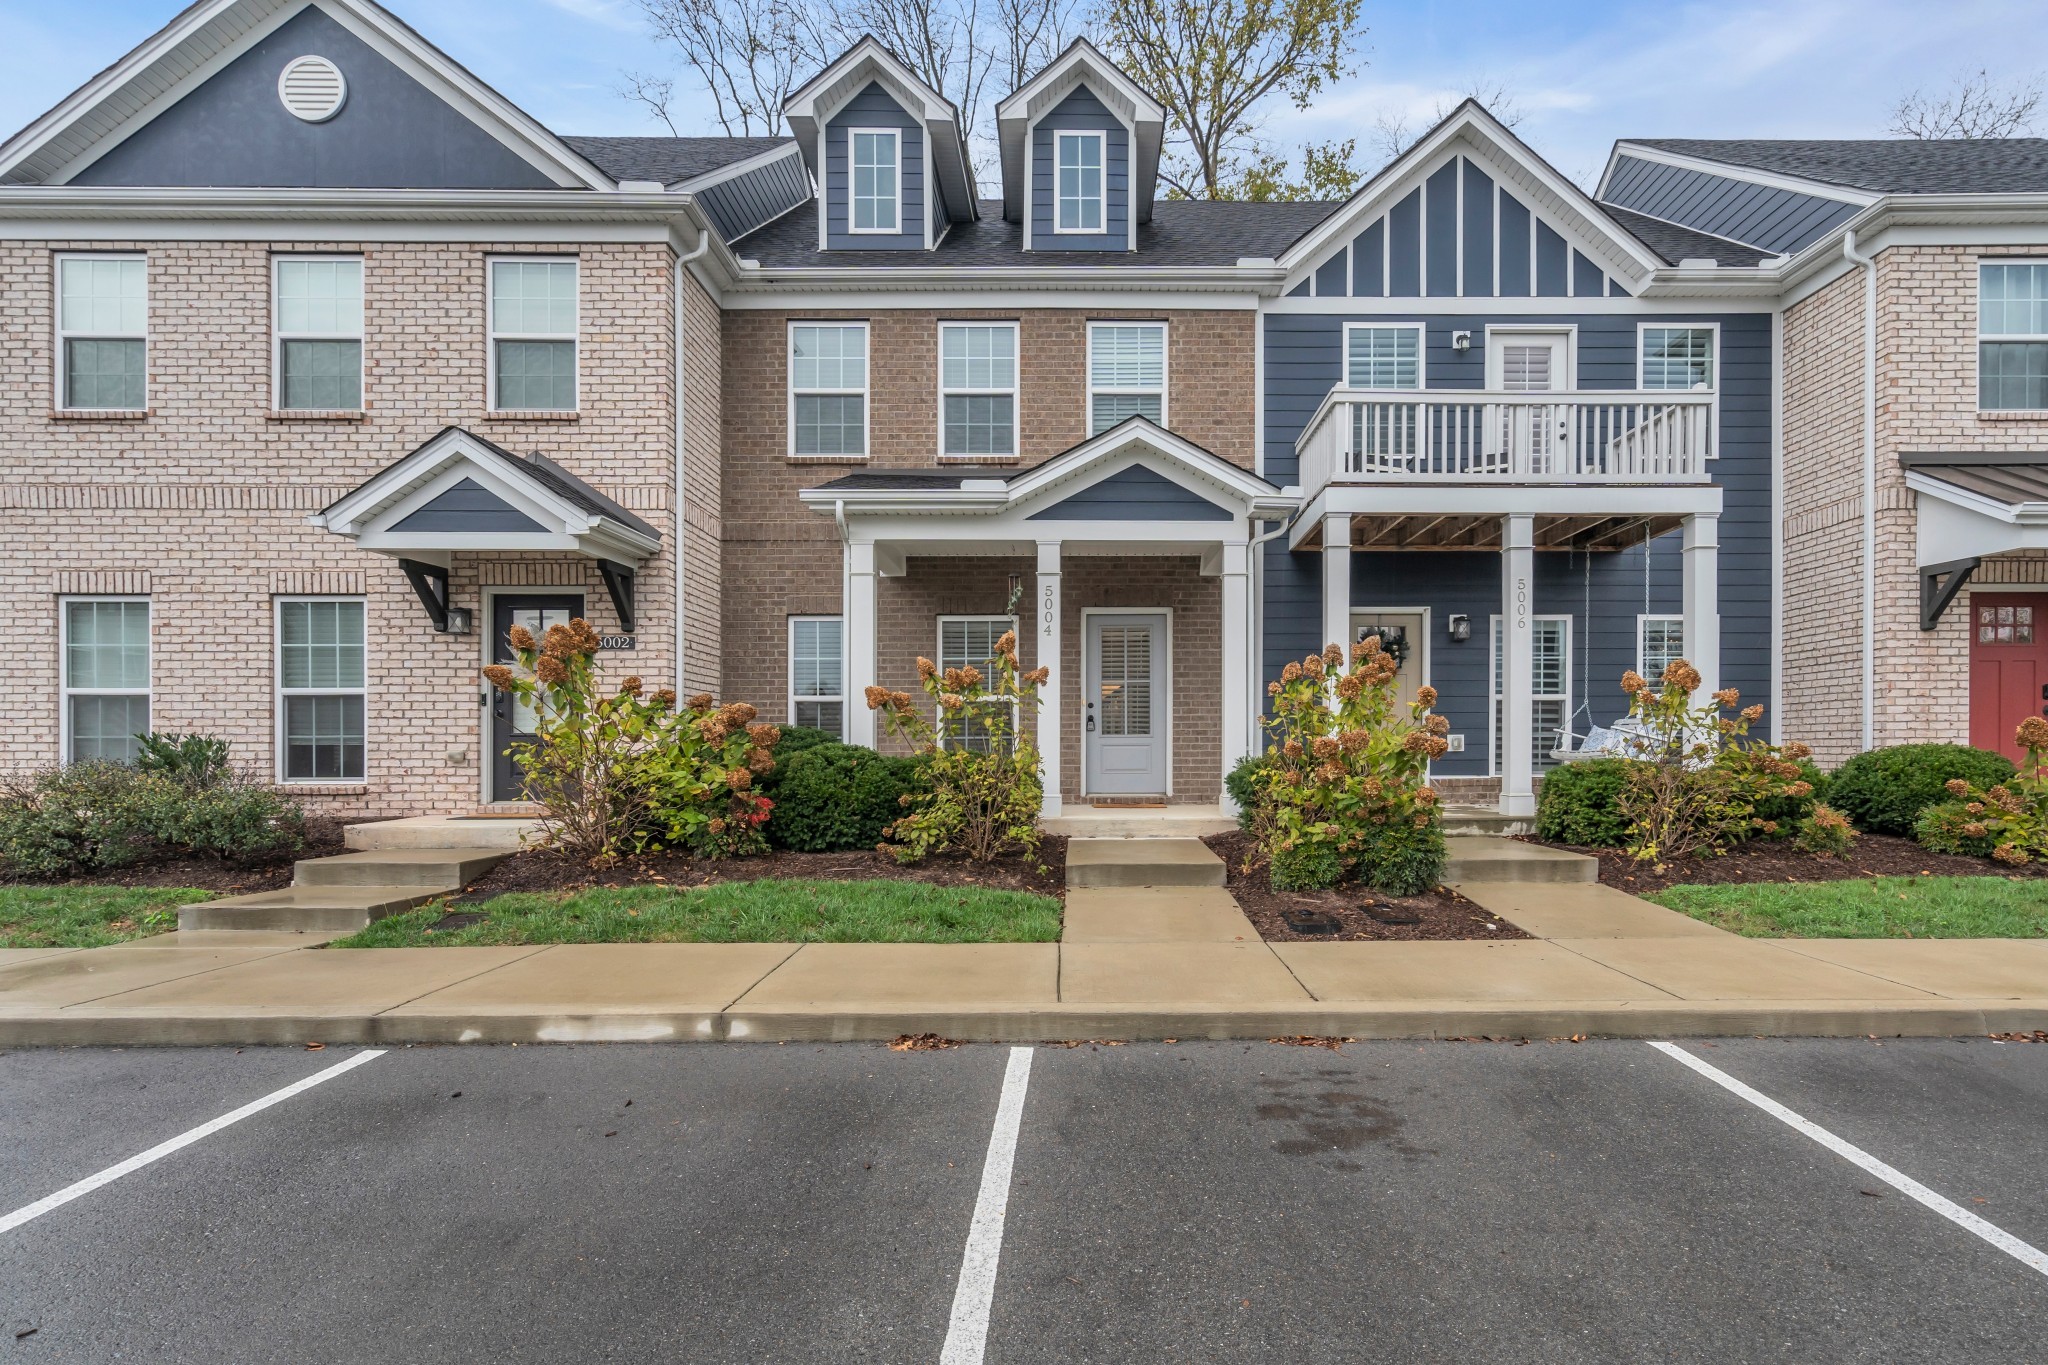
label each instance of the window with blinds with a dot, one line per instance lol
(970, 641)
(1550, 687)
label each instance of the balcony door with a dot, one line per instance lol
(1528, 436)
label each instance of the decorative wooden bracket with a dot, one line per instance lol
(1939, 584)
(618, 581)
(430, 581)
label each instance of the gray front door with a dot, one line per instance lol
(512, 721)
(1123, 730)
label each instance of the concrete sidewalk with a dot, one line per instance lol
(1179, 962)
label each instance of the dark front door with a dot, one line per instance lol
(512, 721)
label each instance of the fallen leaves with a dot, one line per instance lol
(1311, 1040)
(2037, 1036)
(315, 1047)
(1088, 1042)
(922, 1042)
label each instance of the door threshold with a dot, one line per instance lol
(1126, 803)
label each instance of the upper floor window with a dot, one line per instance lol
(106, 676)
(1383, 357)
(533, 335)
(2012, 336)
(1126, 373)
(978, 389)
(828, 388)
(1080, 182)
(876, 166)
(1678, 358)
(102, 323)
(319, 355)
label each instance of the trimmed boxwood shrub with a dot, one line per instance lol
(1403, 859)
(1884, 790)
(97, 816)
(1580, 803)
(794, 740)
(1241, 784)
(834, 797)
(1306, 867)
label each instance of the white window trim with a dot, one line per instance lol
(1493, 712)
(279, 691)
(1165, 370)
(65, 691)
(1643, 619)
(1101, 137)
(895, 136)
(278, 337)
(62, 397)
(492, 336)
(867, 405)
(1014, 391)
(1713, 390)
(1977, 350)
(790, 670)
(1390, 324)
(939, 653)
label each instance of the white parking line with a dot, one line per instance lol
(29, 1212)
(2025, 1253)
(967, 1335)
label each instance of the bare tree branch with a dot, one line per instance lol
(746, 54)
(657, 93)
(1974, 105)
(1394, 132)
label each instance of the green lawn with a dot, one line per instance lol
(1876, 907)
(736, 912)
(88, 916)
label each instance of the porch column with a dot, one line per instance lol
(1051, 734)
(860, 617)
(1701, 556)
(1518, 660)
(1336, 583)
(1236, 689)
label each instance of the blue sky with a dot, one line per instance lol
(1583, 73)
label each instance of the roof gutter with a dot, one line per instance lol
(1869, 265)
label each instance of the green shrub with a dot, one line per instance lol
(1783, 815)
(1825, 831)
(233, 820)
(1306, 867)
(1884, 790)
(1952, 827)
(1403, 859)
(1242, 783)
(198, 760)
(1579, 803)
(839, 796)
(100, 816)
(793, 740)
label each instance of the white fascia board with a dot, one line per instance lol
(1543, 500)
(1127, 443)
(1729, 170)
(392, 542)
(778, 287)
(867, 60)
(1951, 525)
(734, 170)
(1051, 84)
(2010, 513)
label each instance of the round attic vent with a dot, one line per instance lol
(312, 88)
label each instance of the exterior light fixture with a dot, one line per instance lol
(1460, 626)
(1461, 341)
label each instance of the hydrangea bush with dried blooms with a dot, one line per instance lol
(1344, 789)
(2008, 821)
(1696, 779)
(981, 802)
(631, 771)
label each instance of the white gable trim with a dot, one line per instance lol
(1019, 113)
(809, 110)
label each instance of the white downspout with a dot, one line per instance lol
(682, 268)
(1869, 265)
(1255, 562)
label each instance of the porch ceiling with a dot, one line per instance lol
(1450, 531)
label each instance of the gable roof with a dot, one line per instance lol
(1082, 64)
(1677, 244)
(2016, 165)
(670, 160)
(868, 61)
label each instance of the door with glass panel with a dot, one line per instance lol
(513, 721)
(106, 677)
(1123, 728)
(2008, 667)
(1528, 437)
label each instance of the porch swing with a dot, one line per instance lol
(1625, 738)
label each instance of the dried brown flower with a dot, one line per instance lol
(878, 697)
(1976, 829)
(926, 669)
(500, 677)
(1681, 675)
(1632, 682)
(1006, 643)
(716, 824)
(736, 714)
(1753, 713)
(1313, 666)
(550, 669)
(701, 701)
(1728, 696)
(1291, 673)
(630, 686)
(1350, 687)
(1799, 789)
(2033, 733)
(1272, 689)
(1438, 725)
(764, 735)
(1038, 676)
(1333, 656)
(1957, 787)
(1416, 741)
(739, 779)
(952, 701)
(520, 636)
(2010, 853)
(1425, 695)
(1974, 807)
(1292, 748)
(1324, 746)
(664, 697)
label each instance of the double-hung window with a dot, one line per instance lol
(320, 689)
(1659, 641)
(2012, 336)
(106, 676)
(876, 163)
(970, 642)
(1126, 373)
(1550, 688)
(978, 390)
(102, 326)
(1080, 182)
(828, 389)
(319, 359)
(533, 334)
(817, 672)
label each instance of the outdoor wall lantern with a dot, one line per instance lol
(1460, 626)
(1461, 341)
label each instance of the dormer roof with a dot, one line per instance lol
(1081, 64)
(866, 63)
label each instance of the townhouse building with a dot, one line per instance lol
(328, 365)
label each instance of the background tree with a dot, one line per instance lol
(1972, 106)
(1395, 131)
(745, 53)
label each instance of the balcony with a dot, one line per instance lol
(1607, 438)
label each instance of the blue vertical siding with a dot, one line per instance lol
(1514, 247)
(1764, 216)
(1442, 229)
(1081, 111)
(1404, 247)
(1332, 277)
(873, 108)
(1478, 214)
(743, 203)
(1368, 261)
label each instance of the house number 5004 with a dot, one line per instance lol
(1048, 608)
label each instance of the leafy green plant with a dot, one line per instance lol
(196, 759)
(1825, 831)
(99, 816)
(840, 796)
(980, 800)
(1884, 790)
(1956, 827)
(790, 741)
(1579, 803)
(2012, 815)
(1242, 782)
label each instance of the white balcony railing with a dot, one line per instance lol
(1468, 436)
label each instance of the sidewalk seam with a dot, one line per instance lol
(1621, 971)
(450, 985)
(111, 995)
(779, 964)
(1864, 971)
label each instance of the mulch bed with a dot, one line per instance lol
(323, 839)
(541, 870)
(1874, 855)
(1437, 916)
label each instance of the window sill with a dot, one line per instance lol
(980, 459)
(316, 415)
(826, 459)
(325, 788)
(534, 415)
(2012, 415)
(101, 414)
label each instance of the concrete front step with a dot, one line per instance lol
(1485, 820)
(305, 907)
(440, 831)
(438, 869)
(1142, 862)
(1483, 858)
(1083, 821)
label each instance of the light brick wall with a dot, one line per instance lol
(208, 495)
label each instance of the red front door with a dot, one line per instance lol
(2008, 666)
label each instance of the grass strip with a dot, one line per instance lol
(1870, 907)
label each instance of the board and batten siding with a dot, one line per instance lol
(1081, 112)
(1134, 494)
(744, 202)
(1765, 216)
(873, 108)
(1602, 592)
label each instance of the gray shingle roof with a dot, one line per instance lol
(1181, 233)
(912, 480)
(562, 482)
(1674, 243)
(2010, 478)
(669, 159)
(1884, 165)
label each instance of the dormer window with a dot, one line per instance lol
(1080, 182)
(877, 163)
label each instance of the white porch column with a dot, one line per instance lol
(1336, 583)
(1518, 659)
(1701, 557)
(859, 610)
(1046, 622)
(1237, 635)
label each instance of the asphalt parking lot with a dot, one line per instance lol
(1209, 1202)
